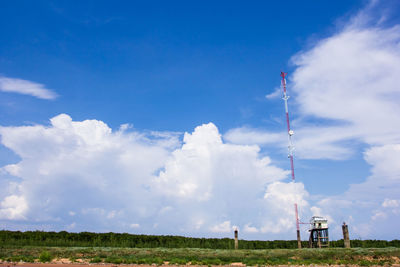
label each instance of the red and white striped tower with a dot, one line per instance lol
(290, 148)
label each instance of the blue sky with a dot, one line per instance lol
(195, 86)
(165, 66)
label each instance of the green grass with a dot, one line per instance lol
(182, 256)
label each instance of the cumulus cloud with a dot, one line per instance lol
(82, 175)
(71, 226)
(391, 203)
(350, 80)
(249, 136)
(250, 229)
(282, 196)
(345, 93)
(84, 170)
(357, 68)
(224, 227)
(134, 225)
(360, 62)
(13, 208)
(25, 87)
(217, 183)
(203, 160)
(275, 94)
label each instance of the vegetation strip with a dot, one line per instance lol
(356, 256)
(87, 239)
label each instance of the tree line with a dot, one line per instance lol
(88, 239)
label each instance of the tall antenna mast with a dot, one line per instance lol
(290, 148)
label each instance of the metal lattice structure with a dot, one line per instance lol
(290, 150)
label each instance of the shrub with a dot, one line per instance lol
(45, 256)
(113, 259)
(157, 261)
(141, 261)
(178, 261)
(96, 259)
(365, 263)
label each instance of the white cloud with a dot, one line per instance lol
(286, 193)
(275, 94)
(13, 208)
(317, 211)
(165, 209)
(325, 142)
(84, 164)
(379, 215)
(120, 177)
(281, 197)
(348, 80)
(391, 203)
(134, 225)
(71, 226)
(372, 203)
(346, 95)
(213, 181)
(250, 229)
(111, 214)
(351, 80)
(384, 161)
(13, 85)
(204, 161)
(224, 227)
(278, 226)
(198, 224)
(249, 136)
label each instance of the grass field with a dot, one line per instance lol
(358, 256)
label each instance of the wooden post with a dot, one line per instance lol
(236, 239)
(346, 238)
(298, 239)
(319, 239)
